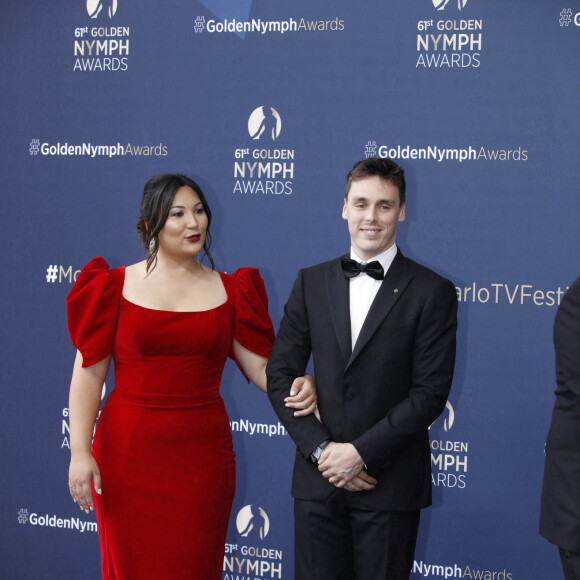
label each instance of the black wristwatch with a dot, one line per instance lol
(315, 455)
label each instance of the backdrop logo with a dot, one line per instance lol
(511, 294)
(441, 4)
(65, 426)
(97, 7)
(199, 24)
(241, 26)
(448, 422)
(264, 170)
(566, 17)
(66, 149)
(449, 43)
(88, 149)
(252, 521)
(101, 48)
(371, 149)
(247, 426)
(34, 146)
(56, 273)
(425, 570)
(448, 458)
(51, 274)
(254, 559)
(264, 121)
(441, 153)
(53, 521)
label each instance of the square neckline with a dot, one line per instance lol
(227, 300)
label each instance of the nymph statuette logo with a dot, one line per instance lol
(252, 560)
(448, 422)
(449, 419)
(264, 123)
(97, 7)
(442, 4)
(261, 168)
(252, 521)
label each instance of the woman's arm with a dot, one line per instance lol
(84, 401)
(302, 396)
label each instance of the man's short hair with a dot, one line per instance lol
(383, 168)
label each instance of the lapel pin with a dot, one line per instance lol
(395, 290)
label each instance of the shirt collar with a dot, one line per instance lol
(385, 259)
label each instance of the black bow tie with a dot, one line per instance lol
(352, 268)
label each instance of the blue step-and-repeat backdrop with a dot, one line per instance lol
(267, 105)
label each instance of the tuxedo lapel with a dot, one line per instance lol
(392, 287)
(337, 292)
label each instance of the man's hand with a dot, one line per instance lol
(363, 481)
(341, 463)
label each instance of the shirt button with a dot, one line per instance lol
(349, 396)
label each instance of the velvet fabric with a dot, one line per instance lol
(163, 442)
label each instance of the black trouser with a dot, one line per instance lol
(340, 539)
(570, 564)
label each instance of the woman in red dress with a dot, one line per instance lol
(161, 475)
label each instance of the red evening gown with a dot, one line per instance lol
(163, 441)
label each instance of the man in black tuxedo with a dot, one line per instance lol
(560, 513)
(381, 330)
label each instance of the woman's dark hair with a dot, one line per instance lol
(157, 198)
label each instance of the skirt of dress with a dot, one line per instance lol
(168, 482)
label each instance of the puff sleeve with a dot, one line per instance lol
(252, 325)
(92, 307)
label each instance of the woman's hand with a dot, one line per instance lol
(303, 397)
(84, 399)
(83, 468)
(303, 394)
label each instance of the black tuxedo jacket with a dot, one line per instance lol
(560, 513)
(383, 394)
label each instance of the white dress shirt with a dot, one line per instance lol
(363, 289)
